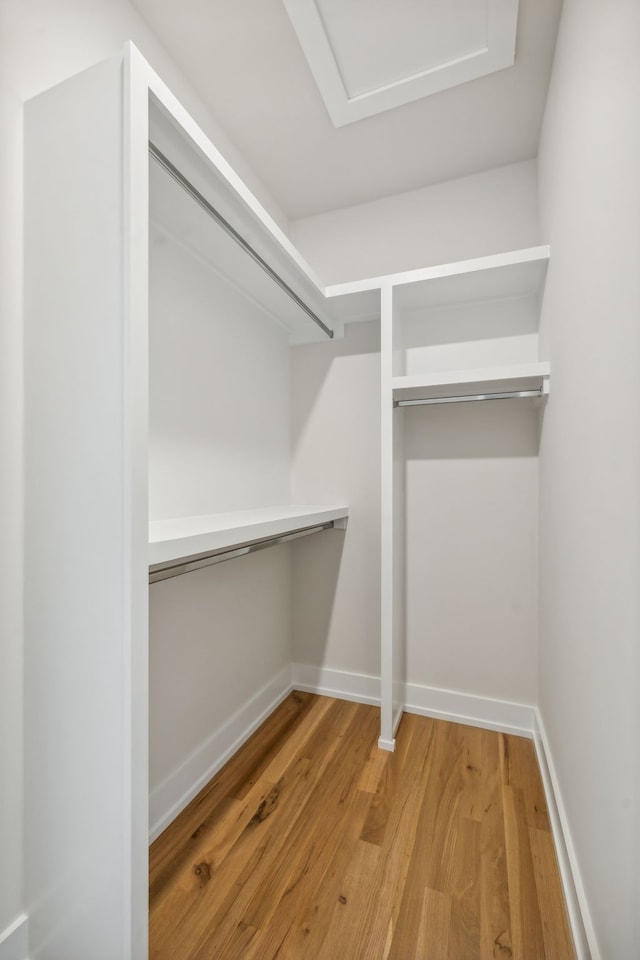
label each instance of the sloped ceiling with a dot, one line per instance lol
(246, 61)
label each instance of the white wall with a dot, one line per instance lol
(41, 43)
(590, 456)
(472, 548)
(218, 392)
(335, 459)
(486, 213)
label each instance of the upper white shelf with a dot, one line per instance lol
(185, 538)
(511, 274)
(516, 377)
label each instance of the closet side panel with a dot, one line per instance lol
(78, 806)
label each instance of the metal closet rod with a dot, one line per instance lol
(202, 201)
(507, 395)
(207, 560)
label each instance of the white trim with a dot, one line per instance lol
(14, 940)
(174, 793)
(359, 687)
(496, 53)
(384, 744)
(493, 261)
(487, 712)
(582, 929)
(493, 714)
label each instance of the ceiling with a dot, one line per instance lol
(246, 61)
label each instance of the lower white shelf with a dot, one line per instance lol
(460, 383)
(181, 541)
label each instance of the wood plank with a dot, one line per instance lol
(558, 942)
(435, 924)
(520, 769)
(526, 925)
(495, 915)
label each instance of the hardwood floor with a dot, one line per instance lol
(312, 843)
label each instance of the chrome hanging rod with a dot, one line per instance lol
(202, 201)
(219, 556)
(508, 395)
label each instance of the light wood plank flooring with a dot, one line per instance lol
(312, 843)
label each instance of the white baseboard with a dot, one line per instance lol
(577, 907)
(359, 687)
(487, 712)
(13, 940)
(183, 784)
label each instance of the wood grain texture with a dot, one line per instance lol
(312, 843)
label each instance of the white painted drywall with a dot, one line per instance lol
(590, 456)
(217, 636)
(41, 43)
(335, 459)
(472, 548)
(218, 392)
(485, 213)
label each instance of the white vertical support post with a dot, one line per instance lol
(387, 598)
(136, 408)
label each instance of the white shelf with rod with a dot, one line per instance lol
(186, 543)
(525, 379)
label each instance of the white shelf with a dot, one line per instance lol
(497, 275)
(183, 538)
(523, 376)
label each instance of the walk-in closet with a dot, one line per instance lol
(297, 549)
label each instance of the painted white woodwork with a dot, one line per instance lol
(85, 510)
(509, 274)
(492, 713)
(182, 537)
(365, 62)
(524, 376)
(389, 639)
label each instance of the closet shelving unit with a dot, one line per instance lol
(182, 544)
(453, 333)
(94, 203)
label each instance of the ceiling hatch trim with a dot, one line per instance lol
(496, 51)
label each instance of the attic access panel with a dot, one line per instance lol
(368, 56)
